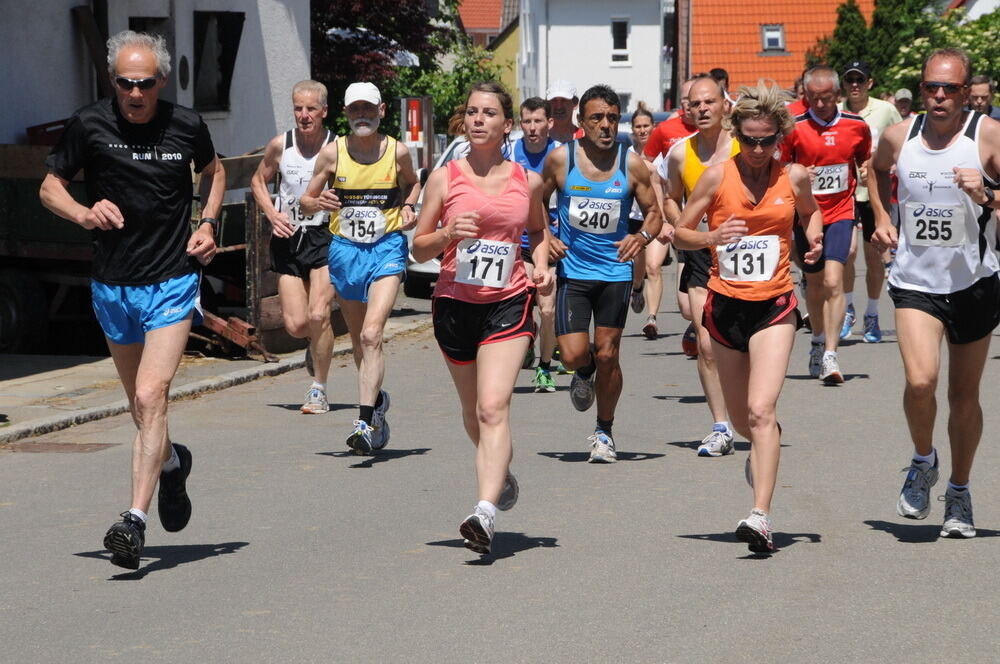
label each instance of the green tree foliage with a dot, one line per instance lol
(850, 37)
(896, 23)
(980, 39)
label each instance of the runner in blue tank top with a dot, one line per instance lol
(530, 151)
(597, 180)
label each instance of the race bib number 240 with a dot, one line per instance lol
(598, 216)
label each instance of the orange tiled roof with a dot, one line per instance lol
(481, 14)
(724, 37)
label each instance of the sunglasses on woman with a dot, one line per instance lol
(753, 141)
(128, 83)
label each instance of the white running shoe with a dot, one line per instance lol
(602, 448)
(755, 530)
(360, 440)
(915, 498)
(380, 424)
(717, 443)
(958, 514)
(508, 496)
(316, 403)
(581, 391)
(477, 531)
(830, 371)
(815, 359)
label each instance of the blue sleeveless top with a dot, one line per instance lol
(592, 217)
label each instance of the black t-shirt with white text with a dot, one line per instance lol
(144, 169)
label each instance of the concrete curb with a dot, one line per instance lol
(59, 422)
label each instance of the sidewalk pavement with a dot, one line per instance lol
(44, 393)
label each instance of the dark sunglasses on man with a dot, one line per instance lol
(931, 87)
(142, 83)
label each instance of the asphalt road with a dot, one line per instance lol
(298, 552)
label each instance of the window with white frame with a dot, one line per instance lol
(772, 37)
(619, 40)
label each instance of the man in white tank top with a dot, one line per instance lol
(300, 242)
(945, 276)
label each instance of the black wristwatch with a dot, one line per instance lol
(645, 234)
(990, 197)
(214, 223)
(409, 205)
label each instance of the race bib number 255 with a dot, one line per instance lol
(934, 224)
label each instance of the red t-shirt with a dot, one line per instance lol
(835, 150)
(665, 134)
(797, 108)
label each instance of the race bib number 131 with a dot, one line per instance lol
(752, 258)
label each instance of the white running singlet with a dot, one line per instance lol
(295, 173)
(946, 242)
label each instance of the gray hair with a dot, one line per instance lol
(821, 72)
(128, 38)
(311, 86)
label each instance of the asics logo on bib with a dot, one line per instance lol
(589, 204)
(488, 249)
(744, 245)
(941, 213)
(358, 213)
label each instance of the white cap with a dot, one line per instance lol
(561, 88)
(362, 92)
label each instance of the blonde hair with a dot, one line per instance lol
(310, 86)
(759, 102)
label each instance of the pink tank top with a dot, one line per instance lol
(487, 268)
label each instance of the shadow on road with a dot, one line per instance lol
(685, 399)
(576, 457)
(739, 445)
(917, 533)
(387, 454)
(848, 377)
(781, 541)
(167, 557)
(297, 406)
(528, 389)
(505, 545)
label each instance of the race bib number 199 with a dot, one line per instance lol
(599, 216)
(484, 262)
(752, 258)
(362, 224)
(830, 179)
(934, 224)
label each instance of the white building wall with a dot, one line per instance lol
(573, 41)
(978, 8)
(60, 80)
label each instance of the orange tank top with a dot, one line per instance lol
(487, 268)
(756, 267)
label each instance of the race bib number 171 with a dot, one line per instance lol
(484, 262)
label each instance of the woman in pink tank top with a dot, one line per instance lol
(483, 297)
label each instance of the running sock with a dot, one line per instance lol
(487, 507)
(379, 399)
(318, 386)
(585, 372)
(545, 366)
(819, 338)
(138, 513)
(830, 353)
(930, 458)
(605, 425)
(722, 427)
(849, 298)
(872, 309)
(957, 487)
(367, 412)
(173, 463)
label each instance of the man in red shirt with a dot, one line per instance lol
(831, 144)
(673, 129)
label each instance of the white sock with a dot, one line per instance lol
(724, 424)
(487, 507)
(316, 384)
(819, 338)
(849, 297)
(960, 487)
(872, 309)
(173, 463)
(930, 458)
(830, 353)
(138, 513)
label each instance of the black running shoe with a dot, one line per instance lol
(125, 540)
(173, 504)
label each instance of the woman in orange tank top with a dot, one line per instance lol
(482, 301)
(751, 202)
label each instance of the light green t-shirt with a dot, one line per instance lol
(879, 115)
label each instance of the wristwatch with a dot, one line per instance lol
(645, 234)
(990, 197)
(409, 205)
(214, 223)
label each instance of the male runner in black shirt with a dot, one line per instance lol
(137, 152)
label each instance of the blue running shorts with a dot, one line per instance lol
(355, 266)
(127, 313)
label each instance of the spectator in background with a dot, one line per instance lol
(904, 102)
(981, 89)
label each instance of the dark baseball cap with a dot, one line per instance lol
(859, 66)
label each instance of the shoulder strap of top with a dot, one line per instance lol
(623, 158)
(972, 124)
(289, 138)
(915, 125)
(570, 157)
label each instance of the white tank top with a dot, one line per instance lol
(946, 242)
(296, 171)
